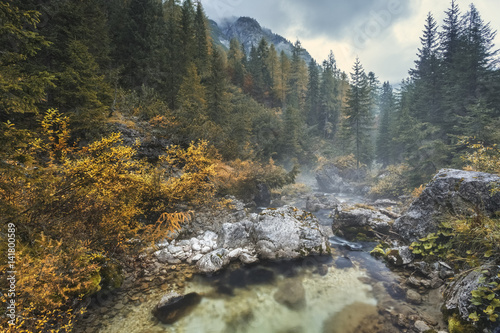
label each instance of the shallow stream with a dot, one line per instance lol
(335, 293)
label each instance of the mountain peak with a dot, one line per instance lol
(249, 32)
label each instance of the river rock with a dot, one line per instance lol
(287, 232)
(213, 261)
(330, 180)
(282, 233)
(174, 306)
(353, 220)
(457, 296)
(421, 326)
(235, 235)
(291, 294)
(413, 297)
(400, 256)
(453, 192)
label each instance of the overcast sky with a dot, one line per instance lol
(383, 33)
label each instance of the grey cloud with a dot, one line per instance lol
(316, 18)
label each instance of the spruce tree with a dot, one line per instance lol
(173, 59)
(313, 94)
(216, 87)
(330, 99)
(201, 40)
(358, 114)
(384, 142)
(427, 76)
(235, 63)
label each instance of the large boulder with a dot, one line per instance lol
(355, 222)
(458, 297)
(282, 233)
(451, 192)
(174, 306)
(330, 180)
(287, 232)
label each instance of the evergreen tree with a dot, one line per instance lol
(330, 98)
(192, 98)
(201, 39)
(173, 59)
(384, 142)
(187, 33)
(358, 115)
(282, 84)
(427, 76)
(235, 63)
(22, 87)
(216, 87)
(273, 65)
(313, 94)
(142, 37)
(297, 81)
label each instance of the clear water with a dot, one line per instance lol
(242, 299)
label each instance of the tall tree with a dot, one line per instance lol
(187, 33)
(297, 82)
(330, 98)
(384, 142)
(427, 76)
(235, 63)
(216, 87)
(358, 115)
(173, 59)
(313, 94)
(201, 39)
(142, 37)
(21, 86)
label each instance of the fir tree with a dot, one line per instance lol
(384, 142)
(313, 94)
(358, 114)
(201, 39)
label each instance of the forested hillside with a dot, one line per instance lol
(77, 77)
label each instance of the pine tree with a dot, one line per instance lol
(313, 94)
(427, 76)
(297, 80)
(192, 97)
(201, 39)
(187, 33)
(21, 86)
(142, 37)
(173, 61)
(216, 87)
(284, 73)
(330, 98)
(385, 131)
(235, 63)
(273, 65)
(358, 114)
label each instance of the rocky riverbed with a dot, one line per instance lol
(286, 270)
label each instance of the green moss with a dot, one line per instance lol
(112, 275)
(456, 325)
(95, 286)
(360, 234)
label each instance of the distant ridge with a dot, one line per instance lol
(249, 32)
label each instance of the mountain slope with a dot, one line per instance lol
(249, 32)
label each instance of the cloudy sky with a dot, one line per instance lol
(383, 33)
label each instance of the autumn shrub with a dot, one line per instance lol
(241, 177)
(76, 211)
(483, 158)
(392, 182)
